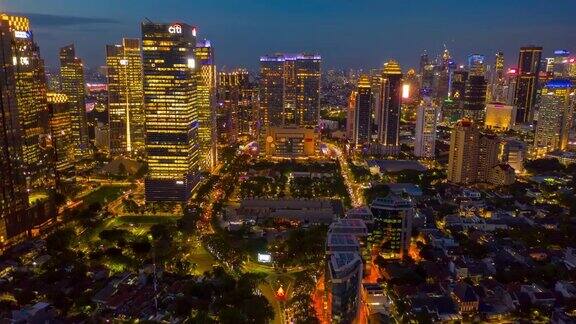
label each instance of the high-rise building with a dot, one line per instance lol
(59, 110)
(488, 151)
(230, 85)
(554, 116)
(72, 83)
(125, 97)
(363, 112)
(499, 116)
(169, 67)
(290, 89)
(476, 65)
(498, 79)
(475, 97)
(206, 101)
(391, 102)
(30, 97)
(351, 116)
(343, 282)
(561, 64)
(463, 156)
(425, 133)
(514, 153)
(248, 114)
(13, 196)
(527, 83)
(393, 217)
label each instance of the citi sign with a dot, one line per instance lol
(175, 29)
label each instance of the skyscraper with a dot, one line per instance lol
(527, 83)
(290, 89)
(30, 96)
(230, 85)
(59, 110)
(475, 98)
(390, 105)
(425, 133)
(351, 116)
(169, 67)
(393, 217)
(363, 112)
(72, 83)
(476, 65)
(125, 97)
(463, 156)
(498, 79)
(13, 195)
(206, 101)
(554, 116)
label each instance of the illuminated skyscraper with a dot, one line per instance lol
(554, 116)
(13, 196)
(169, 67)
(72, 83)
(290, 89)
(393, 216)
(425, 134)
(363, 112)
(351, 116)
(391, 102)
(476, 65)
(59, 110)
(475, 98)
(206, 101)
(498, 79)
(527, 83)
(463, 157)
(30, 96)
(561, 64)
(125, 97)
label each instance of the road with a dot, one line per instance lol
(354, 188)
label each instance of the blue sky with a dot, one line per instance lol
(348, 33)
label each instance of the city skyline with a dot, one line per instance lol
(334, 31)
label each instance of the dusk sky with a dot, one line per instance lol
(347, 33)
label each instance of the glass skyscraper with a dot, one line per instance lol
(172, 148)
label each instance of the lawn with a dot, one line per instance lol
(104, 193)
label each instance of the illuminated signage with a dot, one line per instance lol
(264, 258)
(561, 52)
(123, 62)
(175, 29)
(21, 34)
(194, 32)
(179, 182)
(191, 63)
(405, 91)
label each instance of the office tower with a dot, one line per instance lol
(488, 151)
(351, 115)
(13, 196)
(125, 97)
(30, 97)
(290, 89)
(206, 101)
(393, 217)
(343, 282)
(102, 136)
(475, 97)
(171, 115)
(510, 87)
(498, 79)
(424, 61)
(363, 113)
(554, 116)
(72, 83)
(390, 105)
(376, 86)
(60, 110)
(463, 156)
(459, 78)
(527, 83)
(561, 64)
(230, 85)
(291, 142)
(248, 112)
(514, 153)
(499, 116)
(476, 65)
(425, 133)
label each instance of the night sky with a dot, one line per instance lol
(347, 33)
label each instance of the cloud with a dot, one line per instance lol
(42, 20)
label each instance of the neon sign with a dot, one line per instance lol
(175, 29)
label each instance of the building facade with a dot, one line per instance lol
(206, 101)
(172, 148)
(363, 112)
(60, 111)
(125, 97)
(554, 116)
(390, 105)
(425, 132)
(72, 85)
(393, 216)
(529, 62)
